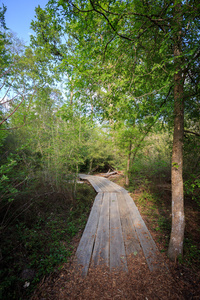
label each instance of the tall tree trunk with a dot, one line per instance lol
(71, 97)
(90, 167)
(128, 164)
(178, 218)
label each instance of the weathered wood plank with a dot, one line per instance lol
(109, 185)
(117, 249)
(132, 244)
(95, 185)
(96, 182)
(84, 250)
(151, 252)
(101, 247)
(92, 181)
(116, 187)
(100, 183)
(119, 229)
(83, 176)
(104, 184)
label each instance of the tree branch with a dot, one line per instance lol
(80, 10)
(155, 20)
(6, 72)
(104, 53)
(192, 132)
(12, 111)
(151, 125)
(110, 24)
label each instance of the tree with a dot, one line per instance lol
(24, 75)
(178, 217)
(4, 42)
(148, 47)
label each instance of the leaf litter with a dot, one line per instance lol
(100, 283)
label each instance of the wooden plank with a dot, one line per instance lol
(117, 249)
(109, 186)
(104, 184)
(95, 185)
(92, 181)
(100, 184)
(151, 252)
(116, 187)
(84, 250)
(132, 244)
(101, 247)
(112, 186)
(126, 224)
(83, 176)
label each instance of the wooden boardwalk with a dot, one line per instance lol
(115, 229)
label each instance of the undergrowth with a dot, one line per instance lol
(154, 203)
(38, 242)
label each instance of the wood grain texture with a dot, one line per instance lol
(102, 184)
(105, 184)
(116, 187)
(101, 248)
(151, 252)
(117, 249)
(131, 240)
(95, 185)
(99, 182)
(91, 179)
(84, 250)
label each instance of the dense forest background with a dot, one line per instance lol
(103, 85)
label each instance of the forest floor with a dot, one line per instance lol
(181, 282)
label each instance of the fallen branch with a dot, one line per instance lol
(108, 174)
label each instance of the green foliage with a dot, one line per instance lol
(157, 213)
(192, 188)
(40, 241)
(8, 190)
(145, 197)
(153, 159)
(116, 64)
(192, 162)
(43, 244)
(164, 225)
(191, 252)
(4, 42)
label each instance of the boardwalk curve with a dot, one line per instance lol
(114, 231)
